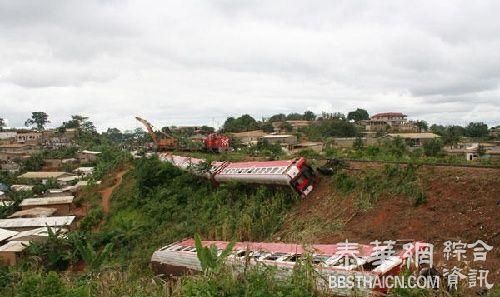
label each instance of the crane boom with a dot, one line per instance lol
(149, 127)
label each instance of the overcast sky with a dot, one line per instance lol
(197, 62)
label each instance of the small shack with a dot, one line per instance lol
(62, 204)
(23, 224)
(11, 252)
(87, 156)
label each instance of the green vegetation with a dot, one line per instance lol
(394, 180)
(335, 127)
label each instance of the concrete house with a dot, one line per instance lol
(249, 137)
(414, 139)
(87, 156)
(10, 252)
(62, 204)
(389, 121)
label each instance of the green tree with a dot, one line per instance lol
(280, 117)
(2, 124)
(267, 127)
(433, 147)
(481, 151)
(309, 116)
(114, 134)
(243, 123)
(38, 119)
(294, 117)
(476, 129)
(358, 143)
(358, 115)
(34, 162)
(422, 126)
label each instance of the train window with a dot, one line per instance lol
(274, 256)
(177, 248)
(320, 259)
(294, 258)
(274, 169)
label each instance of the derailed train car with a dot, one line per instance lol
(180, 258)
(295, 173)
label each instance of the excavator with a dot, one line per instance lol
(164, 141)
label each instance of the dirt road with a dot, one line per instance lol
(106, 192)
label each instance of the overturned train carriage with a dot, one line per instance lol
(180, 258)
(295, 173)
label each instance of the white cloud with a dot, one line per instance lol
(191, 62)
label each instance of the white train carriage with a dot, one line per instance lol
(328, 260)
(295, 173)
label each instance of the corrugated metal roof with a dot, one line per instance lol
(38, 232)
(37, 222)
(47, 200)
(14, 246)
(5, 234)
(17, 188)
(45, 174)
(414, 135)
(36, 212)
(90, 152)
(84, 169)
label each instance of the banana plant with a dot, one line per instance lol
(211, 262)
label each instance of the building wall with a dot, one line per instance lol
(8, 258)
(291, 139)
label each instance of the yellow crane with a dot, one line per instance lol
(165, 142)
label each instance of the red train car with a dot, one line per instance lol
(295, 173)
(217, 143)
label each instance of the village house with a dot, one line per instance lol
(414, 139)
(278, 126)
(7, 137)
(62, 204)
(249, 137)
(286, 139)
(87, 156)
(23, 224)
(348, 142)
(15, 151)
(389, 121)
(30, 137)
(10, 252)
(44, 176)
(494, 131)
